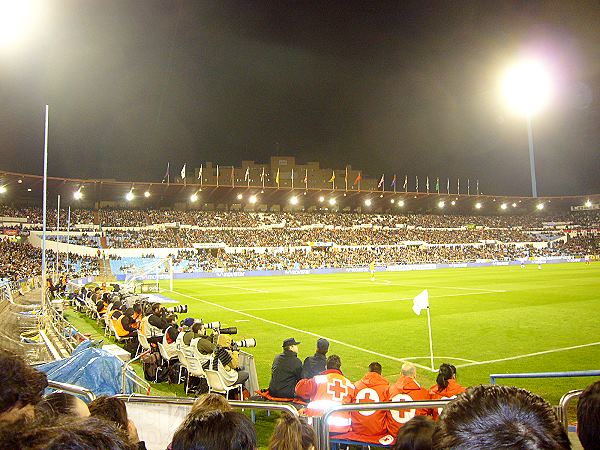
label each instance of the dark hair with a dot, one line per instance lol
(137, 308)
(334, 362)
(117, 305)
(80, 434)
(129, 312)
(415, 434)
(494, 417)
(196, 327)
(291, 433)
(215, 430)
(375, 367)
(55, 405)
(588, 414)
(21, 384)
(446, 372)
(111, 409)
(211, 401)
(155, 307)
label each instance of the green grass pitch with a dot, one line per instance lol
(484, 320)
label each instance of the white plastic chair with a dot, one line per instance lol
(192, 363)
(217, 384)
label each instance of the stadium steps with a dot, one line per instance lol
(106, 273)
(96, 217)
(103, 242)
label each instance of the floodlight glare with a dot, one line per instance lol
(392, 201)
(401, 203)
(28, 189)
(17, 17)
(240, 196)
(514, 205)
(368, 202)
(147, 194)
(540, 206)
(453, 202)
(332, 201)
(2, 189)
(321, 199)
(503, 206)
(129, 196)
(588, 204)
(294, 200)
(527, 87)
(441, 204)
(477, 205)
(252, 199)
(193, 197)
(77, 194)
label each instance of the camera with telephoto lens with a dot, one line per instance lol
(177, 309)
(248, 342)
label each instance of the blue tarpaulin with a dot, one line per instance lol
(91, 368)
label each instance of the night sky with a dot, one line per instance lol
(407, 87)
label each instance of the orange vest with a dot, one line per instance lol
(118, 324)
(451, 391)
(137, 320)
(329, 387)
(405, 389)
(371, 388)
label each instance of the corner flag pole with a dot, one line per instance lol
(430, 338)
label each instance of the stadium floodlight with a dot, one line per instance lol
(2, 189)
(453, 202)
(514, 205)
(588, 204)
(194, 197)
(19, 181)
(321, 199)
(392, 201)
(540, 206)
(294, 200)
(527, 89)
(380, 195)
(503, 206)
(332, 201)
(368, 202)
(401, 203)
(28, 189)
(147, 194)
(129, 196)
(240, 196)
(478, 205)
(253, 199)
(441, 204)
(17, 18)
(77, 195)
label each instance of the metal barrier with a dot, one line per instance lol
(582, 373)
(563, 405)
(320, 423)
(72, 389)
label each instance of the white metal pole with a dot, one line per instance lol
(68, 230)
(430, 339)
(57, 234)
(171, 274)
(44, 286)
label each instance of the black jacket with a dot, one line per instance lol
(314, 365)
(285, 373)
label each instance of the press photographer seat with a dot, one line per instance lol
(217, 384)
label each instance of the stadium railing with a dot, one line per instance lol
(157, 418)
(581, 373)
(563, 407)
(72, 389)
(322, 430)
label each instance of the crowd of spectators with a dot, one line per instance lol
(34, 215)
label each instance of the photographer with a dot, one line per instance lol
(170, 336)
(225, 361)
(205, 344)
(155, 325)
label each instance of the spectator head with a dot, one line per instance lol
(129, 312)
(117, 305)
(59, 404)
(21, 388)
(415, 434)
(156, 308)
(334, 362)
(291, 344)
(499, 417)
(137, 308)
(66, 434)
(322, 346)
(211, 402)
(198, 328)
(375, 367)
(187, 323)
(215, 430)
(409, 370)
(588, 417)
(445, 373)
(172, 319)
(292, 434)
(111, 409)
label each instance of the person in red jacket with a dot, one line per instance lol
(406, 389)
(328, 388)
(371, 388)
(446, 386)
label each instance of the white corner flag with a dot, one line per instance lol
(420, 302)
(183, 172)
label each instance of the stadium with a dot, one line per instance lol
(165, 292)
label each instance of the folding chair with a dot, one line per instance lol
(217, 384)
(192, 363)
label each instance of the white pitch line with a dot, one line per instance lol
(361, 302)
(236, 287)
(422, 286)
(393, 358)
(528, 355)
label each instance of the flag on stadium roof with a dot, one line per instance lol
(332, 179)
(381, 182)
(183, 172)
(277, 177)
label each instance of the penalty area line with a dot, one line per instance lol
(528, 355)
(237, 287)
(310, 333)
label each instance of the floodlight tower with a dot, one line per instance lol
(527, 89)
